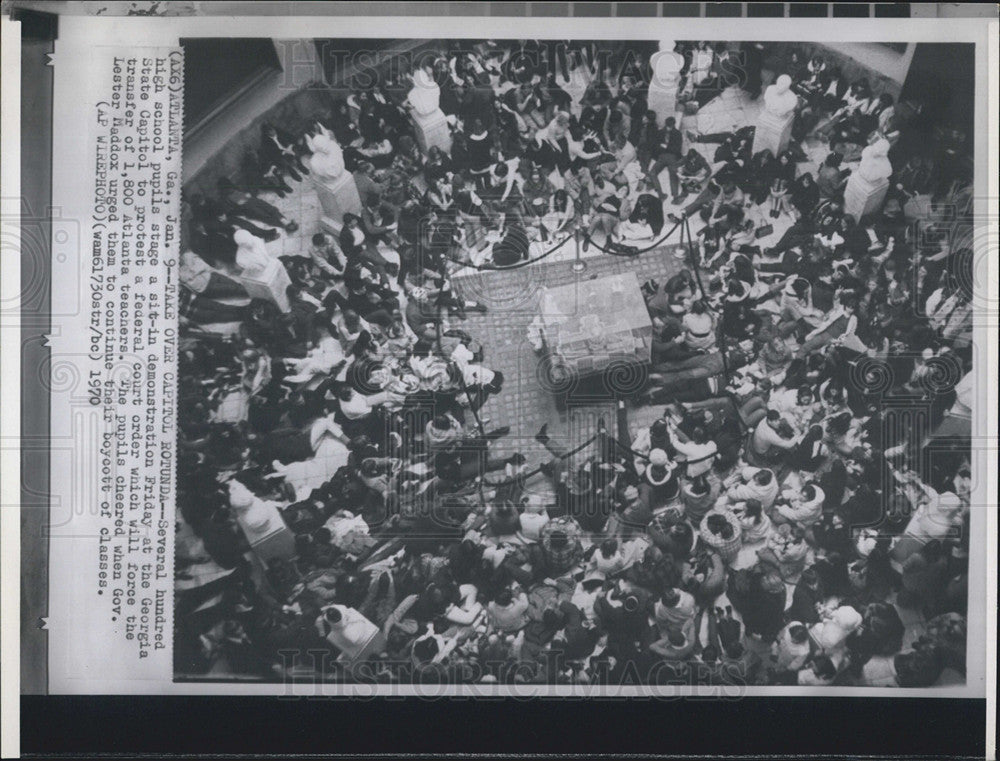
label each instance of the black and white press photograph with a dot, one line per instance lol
(432, 379)
(577, 362)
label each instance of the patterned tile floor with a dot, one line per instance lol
(513, 296)
(527, 400)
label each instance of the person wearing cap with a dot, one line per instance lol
(632, 516)
(647, 439)
(739, 320)
(660, 480)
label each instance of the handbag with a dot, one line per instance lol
(763, 231)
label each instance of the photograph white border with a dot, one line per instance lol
(88, 31)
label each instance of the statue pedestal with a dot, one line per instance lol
(772, 132)
(862, 197)
(337, 198)
(662, 98)
(273, 541)
(269, 284)
(432, 129)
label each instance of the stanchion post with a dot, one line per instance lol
(578, 264)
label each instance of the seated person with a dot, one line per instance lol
(691, 175)
(752, 483)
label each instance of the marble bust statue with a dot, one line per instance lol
(251, 508)
(425, 95)
(875, 166)
(327, 161)
(779, 100)
(667, 64)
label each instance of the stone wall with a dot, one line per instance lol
(853, 59)
(292, 113)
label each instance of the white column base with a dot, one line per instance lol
(772, 133)
(663, 100)
(432, 129)
(862, 197)
(337, 198)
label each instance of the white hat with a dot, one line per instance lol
(658, 457)
(631, 494)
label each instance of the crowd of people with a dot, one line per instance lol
(347, 513)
